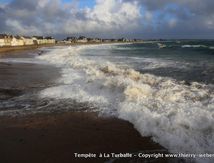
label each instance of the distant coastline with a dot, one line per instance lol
(16, 43)
(4, 49)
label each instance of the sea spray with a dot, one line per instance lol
(178, 116)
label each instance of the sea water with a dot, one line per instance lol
(166, 92)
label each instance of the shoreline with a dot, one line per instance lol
(54, 137)
(33, 47)
(22, 48)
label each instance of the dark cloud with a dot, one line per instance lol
(113, 18)
(192, 18)
(23, 5)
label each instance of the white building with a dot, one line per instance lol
(17, 41)
(82, 39)
(50, 40)
(27, 40)
(38, 40)
(97, 40)
(2, 41)
(5, 40)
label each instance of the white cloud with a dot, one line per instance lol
(42, 3)
(23, 29)
(109, 18)
(58, 18)
(106, 16)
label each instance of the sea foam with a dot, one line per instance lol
(194, 46)
(180, 117)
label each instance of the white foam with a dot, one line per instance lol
(177, 116)
(194, 46)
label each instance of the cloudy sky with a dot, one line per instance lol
(109, 18)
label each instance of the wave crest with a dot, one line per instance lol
(180, 117)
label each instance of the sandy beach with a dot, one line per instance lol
(55, 137)
(14, 49)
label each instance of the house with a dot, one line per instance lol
(44, 40)
(14, 42)
(94, 40)
(50, 40)
(71, 39)
(2, 37)
(17, 41)
(38, 40)
(35, 41)
(5, 40)
(63, 42)
(27, 40)
(82, 39)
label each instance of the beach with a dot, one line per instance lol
(55, 136)
(165, 93)
(118, 81)
(9, 49)
(71, 102)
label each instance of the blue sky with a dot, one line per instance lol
(82, 3)
(88, 3)
(109, 18)
(5, 1)
(85, 3)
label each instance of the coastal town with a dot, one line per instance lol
(10, 40)
(7, 40)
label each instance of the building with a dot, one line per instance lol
(27, 40)
(71, 39)
(35, 41)
(97, 40)
(14, 42)
(38, 40)
(82, 39)
(106, 40)
(5, 40)
(50, 40)
(9, 40)
(17, 41)
(2, 37)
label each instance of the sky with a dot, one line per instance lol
(146, 19)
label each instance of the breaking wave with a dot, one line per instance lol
(180, 117)
(194, 46)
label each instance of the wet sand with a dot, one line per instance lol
(13, 49)
(55, 137)
(22, 48)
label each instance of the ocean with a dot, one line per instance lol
(165, 89)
